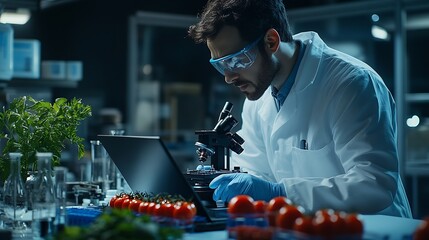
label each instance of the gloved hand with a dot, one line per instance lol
(229, 185)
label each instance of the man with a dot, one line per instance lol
(319, 125)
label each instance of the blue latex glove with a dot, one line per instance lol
(229, 185)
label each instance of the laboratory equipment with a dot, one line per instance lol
(53, 69)
(43, 197)
(26, 58)
(215, 145)
(60, 174)
(78, 191)
(6, 51)
(99, 161)
(14, 194)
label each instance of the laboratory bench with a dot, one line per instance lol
(375, 227)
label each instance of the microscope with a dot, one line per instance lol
(215, 145)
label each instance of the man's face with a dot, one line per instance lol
(242, 63)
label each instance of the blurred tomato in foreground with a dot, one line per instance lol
(260, 206)
(354, 225)
(241, 205)
(304, 225)
(183, 211)
(287, 216)
(273, 208)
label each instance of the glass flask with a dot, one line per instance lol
(60, 197)
(43, 197)
(99, 165)
(30, 184)
(14, 195)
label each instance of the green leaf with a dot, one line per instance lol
(31, 126)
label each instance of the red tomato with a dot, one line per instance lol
(324, 212)
(273, 208)
(156, 210)
(276, 203)
(323, 226)
(143, 207)
(134, 205)
(150, 208)
(118, 202)
(163, 210)
(183, 212)
(125, 203)
(166, 210)
(422, 231)
(339, 225)
(354, 225)
(193, 207)
(304, 225)
(260, 206)
(241, 204)
(287, 216)
(112, 201)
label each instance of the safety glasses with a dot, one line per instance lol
(236, 61)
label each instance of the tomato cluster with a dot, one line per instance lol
(283, 217)
(161, 206)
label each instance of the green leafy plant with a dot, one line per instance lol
(121, 224)
(31, 126)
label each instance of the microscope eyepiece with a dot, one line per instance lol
(225, 111)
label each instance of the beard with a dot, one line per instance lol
(268, 69)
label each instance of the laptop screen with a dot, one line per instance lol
(147, 166)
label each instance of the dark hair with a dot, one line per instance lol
(251, 17)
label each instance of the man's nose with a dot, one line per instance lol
(231, 77)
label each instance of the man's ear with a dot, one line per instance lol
(272, 40)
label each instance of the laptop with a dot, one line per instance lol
(147, 166)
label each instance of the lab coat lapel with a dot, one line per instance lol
(305, 77)
(268, 109)
(287, 111)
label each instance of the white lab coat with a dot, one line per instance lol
(344, 111)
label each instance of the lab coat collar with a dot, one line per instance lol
(306, 76)
(311, 59)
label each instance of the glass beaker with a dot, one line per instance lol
(116, 176)
(60, 197)
(43, 197)
(30, 184)
(99, 173)
(14, 195)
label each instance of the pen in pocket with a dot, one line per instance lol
(303, 144)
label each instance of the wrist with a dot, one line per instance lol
(280, 189)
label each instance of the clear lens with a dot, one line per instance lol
(240, 60)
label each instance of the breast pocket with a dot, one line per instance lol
(316, 163)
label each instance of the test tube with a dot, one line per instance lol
(61, 198)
